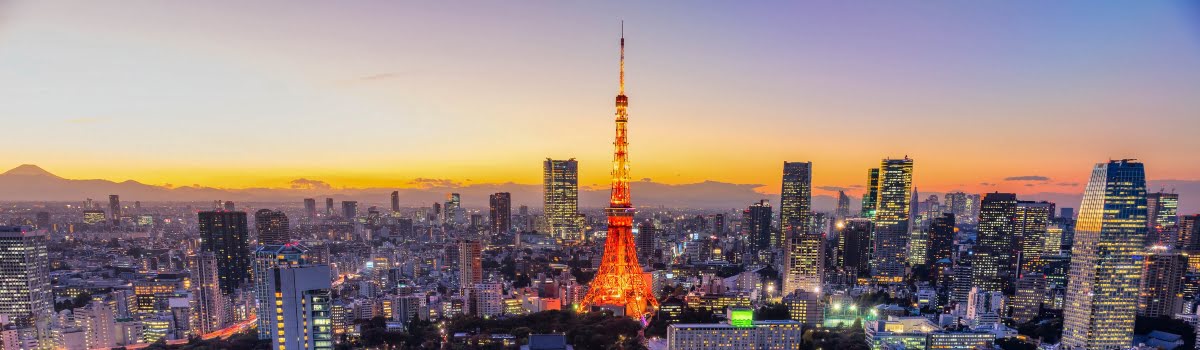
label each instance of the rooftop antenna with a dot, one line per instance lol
(622, 88)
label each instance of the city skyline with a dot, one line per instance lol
(828, 84)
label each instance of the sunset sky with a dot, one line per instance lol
(381, 93)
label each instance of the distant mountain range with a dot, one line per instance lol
(32, 183)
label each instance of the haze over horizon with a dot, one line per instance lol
(29, 182)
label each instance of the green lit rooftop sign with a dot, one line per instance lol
(741, 317)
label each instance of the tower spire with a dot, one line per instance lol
(621, 91)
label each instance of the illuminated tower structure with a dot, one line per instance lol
(1106, 259)
(619, 284)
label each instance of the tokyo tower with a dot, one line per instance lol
(619, 283)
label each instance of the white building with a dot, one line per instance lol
(740, 332)
(302, 315)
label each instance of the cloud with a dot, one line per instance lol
(378, 77)
(422, 182)
(1027, 178)
(1068, 184)
(987, 184)
(306, 184)
(833, 188)
(86, 120)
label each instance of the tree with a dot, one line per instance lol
(772, 312)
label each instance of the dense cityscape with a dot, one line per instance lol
(887, 267)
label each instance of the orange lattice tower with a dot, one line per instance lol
(619, 283)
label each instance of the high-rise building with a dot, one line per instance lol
(25, 277)
(302, 308)
(560, 198)
(843, 207)
(1030, 227)
(1110, 233)
(224, 233)
(941, 238)
(206, 291)
(349, 210)
(500, 212)
(114, 209)
(272, 227)
(470, 263)
(267, 258)
(854, 246)
(1027, 302)
(756, 229)
(1162, 218)
(395, 201)
(452, 208)
(795, 202)
(804, 261)
(993, 262)
(1189, 232)
(1163, 278)
(891, 220)
(620, 283)
(647, 238)
(328, 206)
(871, 197)
(310, 208)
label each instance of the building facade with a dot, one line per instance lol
(1102, 292)
(560, 198)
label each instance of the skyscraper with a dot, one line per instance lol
(224, 233)
(114, 209)
(891, 220)
(1163, 278)
(620, 283)
(470, 263)
(302, 315)
(804, 261)
(1102, 291)
(854, 246)
(500, 212)
(267, 258)
(941, 238)
(993, 262)
(560, 197)
(871, 197)
(1189, 232)
(206, 291)
(843, 207)
(328, 206)
(349, 210)
(395, 201)
(25, 277)
(452, 208)
(1030, 225)
(1162, 218)
(310, 208)
(1029, 294)
(795, 202)
(756, 229)
(272, 227)
(647, 239)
